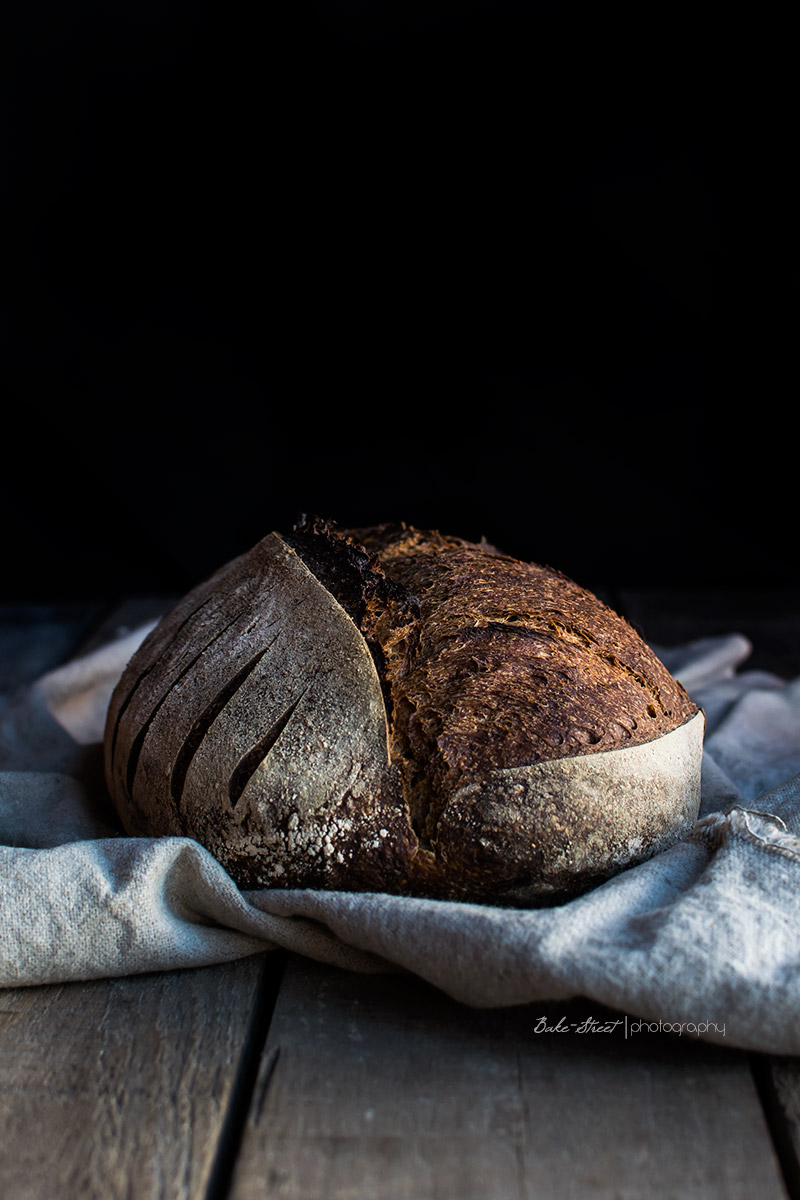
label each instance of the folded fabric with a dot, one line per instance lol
(704, 937)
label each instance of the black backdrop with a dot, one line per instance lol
(463, 265)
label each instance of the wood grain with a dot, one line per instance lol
(778, 1082)
(785, 1073)
(120, 1087)
(384, 1087)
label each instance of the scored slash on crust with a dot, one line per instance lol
(150, 667)
(138, 741)
(248, 766)
(207, 718)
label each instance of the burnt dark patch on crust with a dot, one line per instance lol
(357, 582)
(340, 564)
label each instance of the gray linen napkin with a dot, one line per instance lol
(704, 938)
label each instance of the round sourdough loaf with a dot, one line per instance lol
(392, 709)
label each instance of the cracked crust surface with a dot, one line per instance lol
(508, 663)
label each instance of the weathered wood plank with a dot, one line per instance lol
(778, 1080)
(383, 1087)
(120, 1087)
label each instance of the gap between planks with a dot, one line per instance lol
(120, 1089)
(383, 1087)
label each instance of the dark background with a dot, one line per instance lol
(474, 266)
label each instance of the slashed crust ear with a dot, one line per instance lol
(253, 721)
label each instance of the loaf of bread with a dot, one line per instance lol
(396, 710)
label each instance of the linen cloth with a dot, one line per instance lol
(704, 937)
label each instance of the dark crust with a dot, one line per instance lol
(341, 564)
(487, 662)
(383, 867)
(355, 580)
(513, 664)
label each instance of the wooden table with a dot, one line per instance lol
(276, 1076)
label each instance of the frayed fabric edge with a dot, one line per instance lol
(766, 828)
